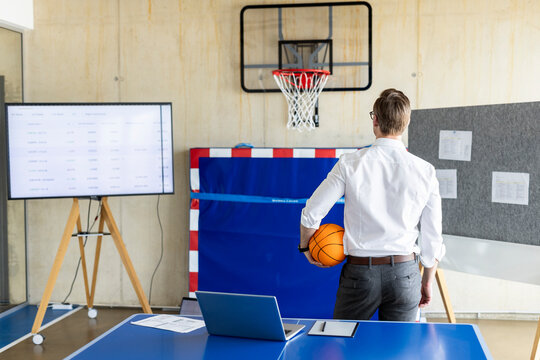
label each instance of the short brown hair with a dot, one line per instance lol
(393, 111)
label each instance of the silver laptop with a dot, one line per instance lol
(242, 315)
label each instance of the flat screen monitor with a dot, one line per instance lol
(89, 150)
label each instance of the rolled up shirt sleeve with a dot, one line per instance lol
(324, 197)
(431, 241)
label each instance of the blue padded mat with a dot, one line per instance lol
(251, 247)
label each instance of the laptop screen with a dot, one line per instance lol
(241, 315)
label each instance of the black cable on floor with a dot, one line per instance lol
(161, 255)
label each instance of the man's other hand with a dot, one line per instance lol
(426, 295)
(427, 281)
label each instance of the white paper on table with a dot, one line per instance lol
(510, 188)
(447, 183)
(455, 145)
(171, 322)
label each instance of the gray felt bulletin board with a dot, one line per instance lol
(505, 138)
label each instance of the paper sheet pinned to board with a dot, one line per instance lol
(510, 188)
(447, 183)
(455, 145)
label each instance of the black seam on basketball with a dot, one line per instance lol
(316, 242)
(319, 246)
(322, 249)
(335, 232)
(327, 235)
(321, 230)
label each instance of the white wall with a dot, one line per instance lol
(17, 15)
(187, 52)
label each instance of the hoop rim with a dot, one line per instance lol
(298, 72)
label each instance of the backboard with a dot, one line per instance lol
(330, 36)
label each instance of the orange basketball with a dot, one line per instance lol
(326, 245)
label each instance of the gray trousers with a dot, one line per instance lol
(393, 289)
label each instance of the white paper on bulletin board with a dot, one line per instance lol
(447, 183)
(510, 188)
(455, 145)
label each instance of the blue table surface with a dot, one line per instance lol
(373, 340)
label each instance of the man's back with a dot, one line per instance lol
(386, 189)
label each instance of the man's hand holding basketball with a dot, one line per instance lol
(305, 235)
(312, 261)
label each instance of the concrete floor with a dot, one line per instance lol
(506, 339)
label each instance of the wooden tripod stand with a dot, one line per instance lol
(535, 354)
(74, 219)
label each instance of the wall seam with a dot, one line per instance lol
(118, 53)
(418, 54)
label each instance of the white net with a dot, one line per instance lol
(301, 89)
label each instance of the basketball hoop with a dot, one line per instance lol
(301, 88)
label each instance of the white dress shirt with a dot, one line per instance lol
(388, 192)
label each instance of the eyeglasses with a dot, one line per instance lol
(371, 114)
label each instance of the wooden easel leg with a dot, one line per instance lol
(74, 215)
(439, 275)
(96, 263)
(535, 355)
(120, 246)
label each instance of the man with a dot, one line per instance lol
(388, 193)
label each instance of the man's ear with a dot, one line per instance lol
(375, 121)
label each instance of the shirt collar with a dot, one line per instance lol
(389, 142)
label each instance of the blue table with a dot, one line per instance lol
(373, 340)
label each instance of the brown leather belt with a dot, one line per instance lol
(355, 260)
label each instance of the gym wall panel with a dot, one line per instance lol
(187, 52)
